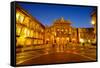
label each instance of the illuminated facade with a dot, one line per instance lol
(74, 35)
(29, 31)
(86, 35)
(94, 22)
(61, 32)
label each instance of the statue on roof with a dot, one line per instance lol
(62, 19)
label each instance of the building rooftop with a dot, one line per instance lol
(61, 21)
(18, 7)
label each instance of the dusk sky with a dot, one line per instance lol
(46, 14)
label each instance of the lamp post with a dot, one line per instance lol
(94, 27)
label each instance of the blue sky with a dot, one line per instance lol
(46, 14)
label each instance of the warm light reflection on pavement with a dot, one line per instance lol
(68, 54)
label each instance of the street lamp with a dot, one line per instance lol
(81, 40)
(92, 22)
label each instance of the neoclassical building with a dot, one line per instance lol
(86, 35)
(61, 32)
(94, 22)
(29, 31)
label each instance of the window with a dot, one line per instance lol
(26, 21)
(34, 24)
(34, 34)
(18, 29)
(37, 27)
(24, 32)
(28, 42)
(21, 40)
(31, 25)
(35, 41)
(28, 33)
(17, 16)
(21, 18)
(31, 33)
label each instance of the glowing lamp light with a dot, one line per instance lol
(48, 39)
(62, 30)
(55, 33)
(81, 40)
(92, 22)
(58, 30)
(67, 38)
(57, 38)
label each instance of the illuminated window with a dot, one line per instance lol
(26, 21)
(40, 41)
(21, 18)
(36, 34)
(42, 30)
(58, 29)
(37, 27)
(62, 30)
(40, 36)
(18, 29)
(35, 41)
(28, 33)
(17, 16)
(32, 25)
(21, 41)
(28, 42)
(25, 32)
(31, 33)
